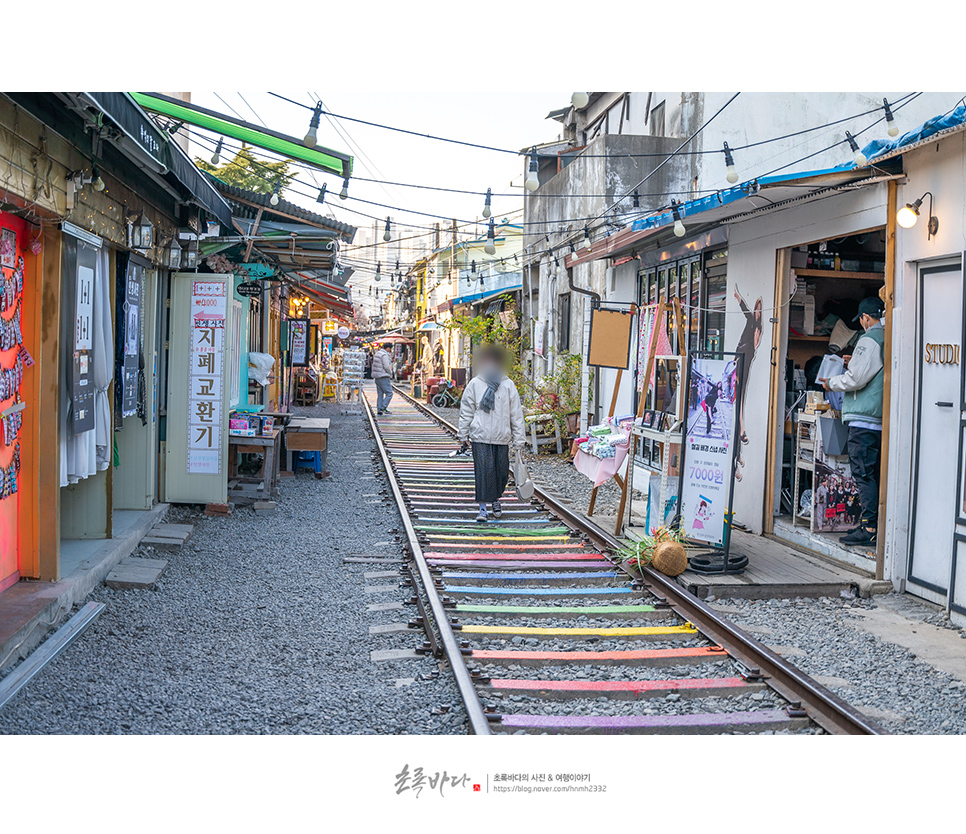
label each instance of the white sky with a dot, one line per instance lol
(511, 120)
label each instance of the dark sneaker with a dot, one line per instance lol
(859, 537)
(497, 509)
(482, 517)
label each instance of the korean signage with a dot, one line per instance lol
(709, 448)
(299, 332)
(206, 376)
(82, 383)
(130, 364)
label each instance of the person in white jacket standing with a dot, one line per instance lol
(491, 419)
(382, 375)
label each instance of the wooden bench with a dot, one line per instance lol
(543, 431)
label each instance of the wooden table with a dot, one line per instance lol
(264, 484)
(308, 434)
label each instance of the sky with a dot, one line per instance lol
(507, 120)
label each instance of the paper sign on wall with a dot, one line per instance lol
(206, 376)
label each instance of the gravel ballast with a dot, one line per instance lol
(257, 625)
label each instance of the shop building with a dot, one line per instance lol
(100, 206)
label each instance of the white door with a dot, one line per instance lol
(936, 480)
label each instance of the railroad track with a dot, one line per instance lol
(547, 632)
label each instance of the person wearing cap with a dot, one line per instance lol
(862, 413)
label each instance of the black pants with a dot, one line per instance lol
(864, 447)
(491, 469)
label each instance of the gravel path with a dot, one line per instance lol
(257, 626)
(886, 681)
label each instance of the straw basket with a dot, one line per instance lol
(670, 558)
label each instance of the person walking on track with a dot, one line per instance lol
(382, 374)
(491, 418)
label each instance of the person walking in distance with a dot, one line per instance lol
(862, 413)
(382, 374)
(710, 406)
(491, 418)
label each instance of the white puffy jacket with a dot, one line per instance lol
(503, 425)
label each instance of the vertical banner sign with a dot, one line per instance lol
(707, 476)
(130, 365)
(206, 377)
(299, 330)
(82, 395)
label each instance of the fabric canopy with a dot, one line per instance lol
(270, 140)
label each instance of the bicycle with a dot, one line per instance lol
(446, 396)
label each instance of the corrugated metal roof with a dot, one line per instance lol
(240, 209)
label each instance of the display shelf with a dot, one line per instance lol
(840, 273)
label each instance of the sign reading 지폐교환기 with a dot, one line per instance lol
(709, 448)
(206, 376)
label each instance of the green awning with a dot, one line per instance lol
(323, 158)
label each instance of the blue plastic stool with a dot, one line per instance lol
(312, 460)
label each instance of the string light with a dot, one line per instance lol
(731, 173)
(487, 212)
(637, 203)
(891, 127)
(387, 235)
(532, 182)
(216, 156)
(860, 159)
(490, 247)
(312, 135)
(679, 230)
(321, 197)
(344, 193)
(379, 272)
(587, 240)
(274, 198)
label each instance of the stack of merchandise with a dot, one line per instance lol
(601, 441)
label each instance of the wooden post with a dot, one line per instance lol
(890, 284)
(48, 405)
(776, 418)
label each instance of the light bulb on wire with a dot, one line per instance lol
(490, 247)
(379, 272)
(216, 156)
(891, 127)
(487, 212)
(580, 100)
(731, 173)
(387, 235)
(96, 182)
(344, 193)
(532, 182)
(679, 229)
(321, 197)
(312, 135)
(860, 158)
(274, 198)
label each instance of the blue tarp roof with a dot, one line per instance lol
(482, 296)
(875, 150)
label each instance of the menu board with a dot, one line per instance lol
(299, 332)
(206, 376)
(707, 474)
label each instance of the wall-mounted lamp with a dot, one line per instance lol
(909, 214)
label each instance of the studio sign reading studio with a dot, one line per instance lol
(942, 354)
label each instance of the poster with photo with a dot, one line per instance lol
(709, 447)
(299, 334)
(8, 248)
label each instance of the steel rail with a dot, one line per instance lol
(451, 646)
(824, 707)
